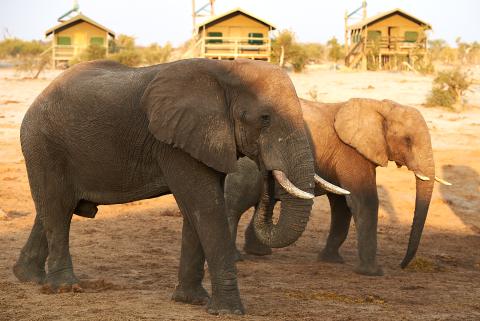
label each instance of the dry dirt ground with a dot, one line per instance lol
(127, 256)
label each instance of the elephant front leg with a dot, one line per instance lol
(339, 226)
(199, 194)
(30, 266)
(365, 214)
(233, 220)
(190, 276)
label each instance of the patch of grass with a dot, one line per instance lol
(420, 264)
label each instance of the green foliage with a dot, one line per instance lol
(127, 57)
(125, 42)
(92, 52)
(315, 52)
(282, 46)
(465, 53)
(14, 48)
(293, 52)
(125, 52)
(335, 50)
(155, 54)
(29, 56)
(448, 89)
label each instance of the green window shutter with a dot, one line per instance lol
(214, 34)
(96, 41)
(255, 41)
(411, 36)
(64, 41)
(374, 35)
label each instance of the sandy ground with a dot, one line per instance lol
(127, 257)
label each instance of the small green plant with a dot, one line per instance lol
(92, 52)
(449, 88)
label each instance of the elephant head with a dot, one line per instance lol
(383, 131)
(217, 111)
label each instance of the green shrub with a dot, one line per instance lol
(13, 48)
(315, 52)
(286, 49)
(127, 57)
(298, 58)
(335, 50)
(448, 89)
(155, 54)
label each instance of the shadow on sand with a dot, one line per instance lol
(464, 196)
(387, 204)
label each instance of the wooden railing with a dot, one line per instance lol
(236, 47)
(65, 52)
(396, 43)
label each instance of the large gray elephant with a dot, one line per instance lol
(104, 133)
(350, 140)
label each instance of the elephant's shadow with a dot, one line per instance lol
(463, 197)
(386, 204)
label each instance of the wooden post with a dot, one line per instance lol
(346, 32)
(364, 6)
(106, 44)
(193, 17)
(53, 50)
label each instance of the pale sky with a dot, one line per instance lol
(170, 20)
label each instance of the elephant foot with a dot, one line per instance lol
(369, 270)
(26, 272)
(257, 248)
(192, 295)
(225, 305)
(330, 257)
(62, 288)
(237, 255)
(62, 281)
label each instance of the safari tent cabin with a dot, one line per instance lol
(74, 35)
(386, 39)
(235, 34)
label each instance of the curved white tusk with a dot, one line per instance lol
(289, 187)
(442, 181)
(329, 186)
(422, 177)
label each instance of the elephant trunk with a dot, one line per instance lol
(295, 211)
(424, 190)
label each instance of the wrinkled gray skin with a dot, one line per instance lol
(104, 133)
(350, 140)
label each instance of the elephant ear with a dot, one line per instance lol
(186, 107)
(359, 124)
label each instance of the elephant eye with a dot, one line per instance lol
(265, 119)
(408, 141)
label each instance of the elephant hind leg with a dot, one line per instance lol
(30, 266)
(339, 226)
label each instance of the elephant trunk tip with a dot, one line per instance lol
(407, 259)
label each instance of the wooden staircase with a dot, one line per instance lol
(355, 55)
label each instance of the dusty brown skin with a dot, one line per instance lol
(350, 140)
(103, 133)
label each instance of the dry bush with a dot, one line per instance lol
(449, 88)
(127, 57)
(336, 51)
(92, 52)
(155, 54)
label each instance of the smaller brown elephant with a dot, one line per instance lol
(350, 140)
